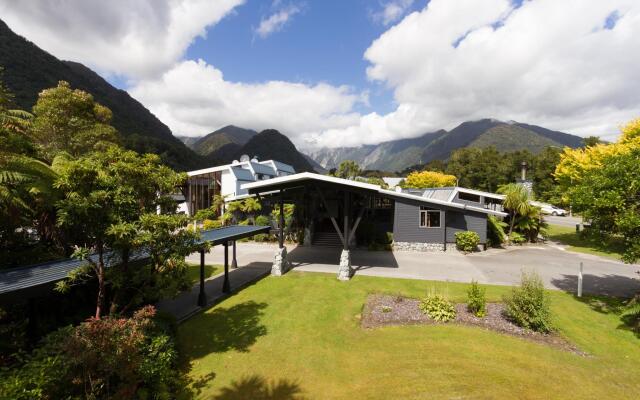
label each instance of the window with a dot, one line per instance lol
(469, 197)
(429, 218)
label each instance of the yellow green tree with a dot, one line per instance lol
(429, 179)
(602, 182)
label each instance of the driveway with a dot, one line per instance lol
(558, 268)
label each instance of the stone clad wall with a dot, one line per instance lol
(418, 246)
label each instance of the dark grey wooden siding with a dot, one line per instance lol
(458, 221)
(406, 224)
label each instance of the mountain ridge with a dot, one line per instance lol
(396, 155)
(27, 70)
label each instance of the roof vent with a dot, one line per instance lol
(254, 159)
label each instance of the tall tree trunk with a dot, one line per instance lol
(511, 223)
(101, 288)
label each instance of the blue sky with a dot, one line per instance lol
(351, 72)
(325, 42)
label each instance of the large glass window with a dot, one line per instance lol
(429, 218)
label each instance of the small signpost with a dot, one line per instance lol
(580, 281)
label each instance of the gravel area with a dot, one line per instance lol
(381, 310)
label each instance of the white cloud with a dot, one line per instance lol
(193, 98)
(552, 63)
(131, 38)
(392, 11)
(276, 21)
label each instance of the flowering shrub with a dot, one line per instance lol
(102, 359)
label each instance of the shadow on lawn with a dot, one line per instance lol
(223, 329)
(607, 297)
(257, 388)
(217, 331)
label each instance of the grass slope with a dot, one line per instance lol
(567, 235)
(298, 336)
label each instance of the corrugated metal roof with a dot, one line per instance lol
(242, 174)
(224, 234)
(24, 277)
(15, 279)
(438, 193)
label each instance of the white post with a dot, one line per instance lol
(580, 281)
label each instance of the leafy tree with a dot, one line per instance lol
(592, 141)
(543, 166)
(105, 195)
(250, 206)
(376, 181)
(516, 201)
(164, 238)
(602, 182)
(429, 179)
(68, 120)
(348, 169)
(26, 192)
(480, 168)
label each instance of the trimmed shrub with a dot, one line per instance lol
(467, 241)
(528, 304)
(476, 300)
(211, 224)
(437, 307)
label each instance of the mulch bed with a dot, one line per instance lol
(382, 310)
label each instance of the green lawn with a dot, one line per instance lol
(301, 333)
(193, 271)
(567, 235)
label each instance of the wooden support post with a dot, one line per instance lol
(281, 236)
(226, 287)
(234, 262)
(355, 225)
(202, 297)
(345, 211)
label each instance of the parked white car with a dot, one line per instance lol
(553, 210)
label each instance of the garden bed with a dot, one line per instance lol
(382, 310)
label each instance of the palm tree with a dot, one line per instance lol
(250, 206)
(516, 200)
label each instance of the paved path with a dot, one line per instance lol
(185, 305)
(557, 267)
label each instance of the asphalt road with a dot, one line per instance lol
(563, 221)
(557, 267)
